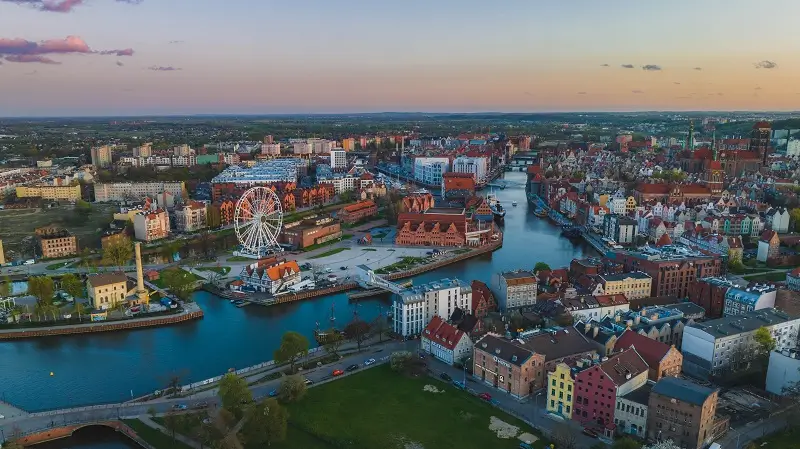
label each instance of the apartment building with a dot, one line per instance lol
(101, 156)
(135, 191)
(56, 242)
(477, 166)
(50, 192)
(504, 365)
(726, 344)
(739, 301)
(429, 170)
(415, 307)
(190, 217)
(672, 268)
(620, 228)
(633, 285)
(630, 415)
(515, 290)
(445, 341)
(338, 159)
(663, 359)
(150, 226)
(684, 412)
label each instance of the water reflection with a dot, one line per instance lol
(94, 437)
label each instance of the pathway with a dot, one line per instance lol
(150, 423)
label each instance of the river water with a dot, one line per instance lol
(110, 367)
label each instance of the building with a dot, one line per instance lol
(587, 308)
(2, 254)
(683, 412)
(107, 290)
(437, 226)
(235, 180)
(49, 192)
(709, 293)
(515, 290)
(783, 372)
(310, 232)
(725, 344)
(476, 166)
(56, 242)
(429, 170)
(358, 211)
(445, 342)
(739, 301)
(560, 390)
(793, 280)
(144, 150)
(414, 307)
(270, 275)
(458, 185)
(150, 226)
(663, 359)
(620, 229)
(633, 285)
(483, 301)
(597, 388)
(101, 156)
(559, 346)
(113, 237)
(672, 268)
(338, 159)
(500, 363)
(760, 141)
(191, 217)
(769, 246)
(136, 191)
(630, 415)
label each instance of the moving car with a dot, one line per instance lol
(485, 396)
(273, 393)
(179, 407)
(446, 377)
(352, 367)
(369, 362)
(337, 372)
(201, 405)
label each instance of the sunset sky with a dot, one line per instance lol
(128, 57)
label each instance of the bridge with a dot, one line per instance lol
(502, 183)
(368, 279)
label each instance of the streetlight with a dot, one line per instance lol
(465, 370)
(535, 406)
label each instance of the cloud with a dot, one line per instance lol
(24, 50)
(581, 93)
(651, 67)
(125, 52)
(676, 83)
(637, 91)
(120, 64)
(683, 98)
(176, 42)
(158, 68)
(765, 64)
(627, 66)
(63, 6)
(604, 65)
(720, 94)
(698, 68)
(32, 73)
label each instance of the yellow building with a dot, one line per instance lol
(107, 290)
(560, 387)
(633, 285)
(57, 193)
(630, 205)
(2, 254)
(603, 200)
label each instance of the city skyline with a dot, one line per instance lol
(130, 57)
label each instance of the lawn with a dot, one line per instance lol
(58, 265)
(239, 259)
(328, 243)
(156, 439)
(390, 410)
(221, 270)
(160, 281)
(779, 440)
(767, 277)
(329, 253)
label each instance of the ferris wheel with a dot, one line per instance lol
(258, 221)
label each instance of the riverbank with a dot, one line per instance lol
(191, 312)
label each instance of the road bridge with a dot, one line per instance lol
(368, 279)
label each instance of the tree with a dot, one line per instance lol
(118, 252)
(83, 207)
(42, 288)
(72, 285)
(357, 331)
(626, 443)
(764, 340)
(541, 266)
(234, 394)
(5, 287)
(79, 309)
(333, 342)
(171, 423)
(292, 389)
(668, 444)
(293, 346)
(266, 424)
(380, 327)
(794, 217)
(179, 282)
(565, 436)
(399, 360)
(152, 411)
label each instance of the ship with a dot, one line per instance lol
(541, 213)
(571, 232)
(324, 337)
(497, 208)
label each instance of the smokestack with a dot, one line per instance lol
(139, 273)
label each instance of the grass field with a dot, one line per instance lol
(239, 259)
(160, 281)
(389, 410)
(780, 440)
(156, 439)
(221, 270)
(329, 253)
(767, 277)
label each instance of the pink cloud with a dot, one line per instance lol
(125, 52)
(31, 58)
(158, 68)
(70, 44)
(59, 5)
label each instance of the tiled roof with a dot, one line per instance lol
(625, 366)
(564, 343)
(99, 280)
(767, 235)
(683, 390)
(442, 333)
(664, 240)
(504, 349)
(652, 351)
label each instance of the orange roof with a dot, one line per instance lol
(278, 271)
(664, 240)
(653, 188)
(359, 206)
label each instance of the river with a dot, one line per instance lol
(110, 367)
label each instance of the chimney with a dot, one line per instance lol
(141, 292)
(595, 331)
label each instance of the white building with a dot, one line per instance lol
(778, 219)
(478, 166)
(145, 150)
(783, 373)
(190, 217)
(413, 308)
(122, 191)
(445, 342)
(342, 183)
(739, 301)
(630, 414)
(514, 290)
(429, 170)
(338, 159)
(269, 276)
(727, 344)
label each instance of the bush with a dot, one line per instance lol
(400, 360)
(293, 388)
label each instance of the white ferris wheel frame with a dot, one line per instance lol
(258, 220)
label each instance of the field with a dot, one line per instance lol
(767, 277)
(20, 223)
(157, 439)
(220, 270)
(329, 253)
(389, 410)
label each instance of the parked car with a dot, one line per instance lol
(525, 446)
(179, 407)
(590, 433)
(485, 396)
(337, 372)
(201, 405)
(309, 381)
(445, 377)
(352, 367)
(369, 362)
(273, 393)
(459, 384)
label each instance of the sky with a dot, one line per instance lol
(137, 57)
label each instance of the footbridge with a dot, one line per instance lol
(368, 279)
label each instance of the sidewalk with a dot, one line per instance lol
(150, 423)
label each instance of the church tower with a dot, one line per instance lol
(715, 174)
(690, 139)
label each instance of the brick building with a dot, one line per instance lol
(663, 359)
(310, 232)
(709, 293)
(417, 202)
(483, 300)
(436, 227)
(563, 346)
(149, 226)
(506, 366)
(683, 412)
(356, 212)
(671, 273)
(56, 242)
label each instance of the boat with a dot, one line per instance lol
(541, 213)
(514, 203)
(497, 208)
(324, 336)
(571, 232)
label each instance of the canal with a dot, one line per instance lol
(110, 367)
(95, 437)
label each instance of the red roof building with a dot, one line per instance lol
(663, 359)
(445, 342)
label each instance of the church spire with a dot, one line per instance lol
(714, 144)
(690, 140)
